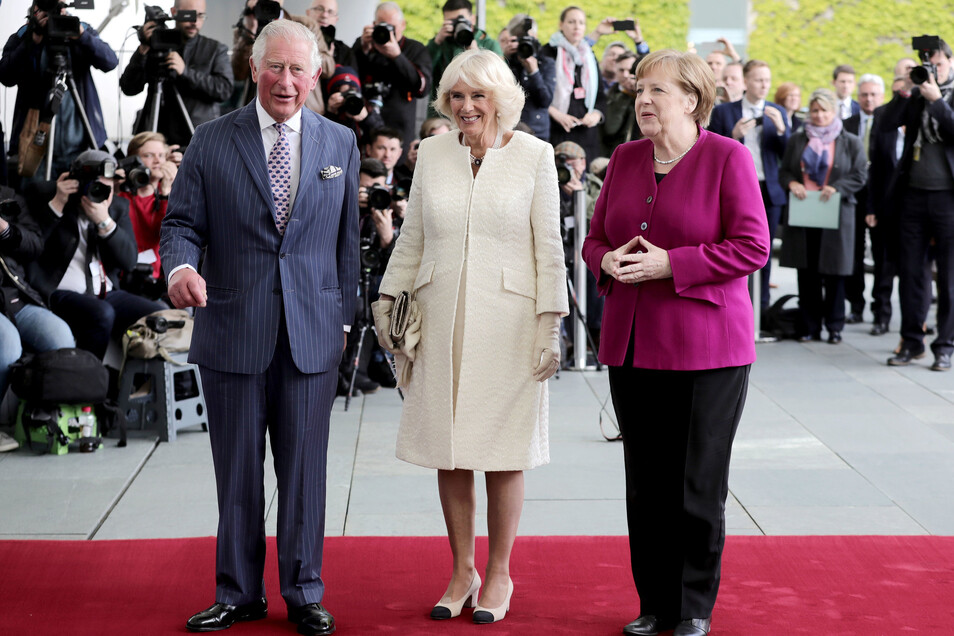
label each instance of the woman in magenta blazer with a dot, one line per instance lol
(678, 227)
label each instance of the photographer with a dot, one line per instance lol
(255, 15)
(24, 318)
(378, 228)
(147, 184)
(87, 242)
(347, 106)
(325, 13)
(198, 69)
(394, 68)
(619, 126)
(608, 26)
(535, 74)
(457, 33)
(29, 63)
(923, 191)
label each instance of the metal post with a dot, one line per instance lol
(49, 149)
(579, 278)
(481, 14)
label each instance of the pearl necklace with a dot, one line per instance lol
(497, 142)
(666, 163)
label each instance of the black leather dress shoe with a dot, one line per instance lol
(854, 318)
(942, 362)
(879, 329)
(905, 356)
(647, 625)
(312, 619)
(693, 627)
(808, 337)
(222, 616)
(834, 337)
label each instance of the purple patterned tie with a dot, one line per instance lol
(279, 177)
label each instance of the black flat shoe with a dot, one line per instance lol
(312, 619)
(879, 329)
(905, 356)
(222, 616)
(854, 318)
(834, 337)
(809, 337)
(942, 362)
(648, 625)
(693, 627)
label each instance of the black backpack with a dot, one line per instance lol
(781, 321)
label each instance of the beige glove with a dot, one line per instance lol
(382, 323)
(412, 335)
(546, 346)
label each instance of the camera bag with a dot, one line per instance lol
(61, 376)
(159, 334)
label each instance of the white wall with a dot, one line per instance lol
(119, 111)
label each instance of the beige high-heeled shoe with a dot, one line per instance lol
(484, 615)
(452, 609)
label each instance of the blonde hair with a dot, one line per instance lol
(486, 71)
(143, 138)
(692, 75)
(826, 99)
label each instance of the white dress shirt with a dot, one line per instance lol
(270, 136)
(753, 138)
(844, 107)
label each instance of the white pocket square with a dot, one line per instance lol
(330, 172)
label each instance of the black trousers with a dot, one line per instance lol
(821, 299)
(885, 269)
(774, 214)
(855, 284)
(678, 428)
(927, 215)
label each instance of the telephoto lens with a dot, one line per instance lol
(379, 197)
(382, 33)
(463, 31)
(353, 103)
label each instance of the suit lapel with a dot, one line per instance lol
(314, 153)
(248, 139)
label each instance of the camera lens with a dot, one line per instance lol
(379, 197)
(353, 103)
(919, 75)
(382, 33)
(463, 31)
(97, 192)
(526, 48)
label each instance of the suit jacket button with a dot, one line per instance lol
(649, 199)
(644, 226)
(282, 255)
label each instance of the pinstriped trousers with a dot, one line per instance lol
(295, 409)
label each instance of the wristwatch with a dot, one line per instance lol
(102, 225)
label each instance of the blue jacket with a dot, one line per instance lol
(539, 91)
(23, 65)
(724, 118)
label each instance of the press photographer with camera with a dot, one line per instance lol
(923, 191)
(346, 104)
(88, 242)
(256, 15)
(619, 125)
(458, 33)
(387, 146)
(184, 62)
(25, 320)
(535, 74)
(54, 44)
(147, 183)
(394, 69)
(325, 13)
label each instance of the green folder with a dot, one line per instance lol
(813, 212)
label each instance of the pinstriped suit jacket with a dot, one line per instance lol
(222, 202)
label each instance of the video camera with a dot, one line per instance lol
(59, 27)
(926, 46)
(463, 31)
(265, 11)
(163, 38)
(87, 168)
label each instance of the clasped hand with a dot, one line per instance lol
(647, 262)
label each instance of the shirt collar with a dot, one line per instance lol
(759, 105)
(265, 120)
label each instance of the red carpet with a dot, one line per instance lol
(564, 585)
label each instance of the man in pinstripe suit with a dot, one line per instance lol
(269, 192)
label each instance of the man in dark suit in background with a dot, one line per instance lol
(843, 81)
(270, 193)
(761, 126)
(871, 94)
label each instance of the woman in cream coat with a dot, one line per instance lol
(480, 250)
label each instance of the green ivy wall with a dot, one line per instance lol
(803, 40)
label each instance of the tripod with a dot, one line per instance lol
(63, 82)
(155, 94)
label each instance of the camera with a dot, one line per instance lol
(463, 31)
(164, 39)
(87, 168)
(137, 174)
(925, 45)
(369, 253)
(402, 190)
(564, 171)
(353, 102)
(328, 34)
(376, 93)
(527, 47)
(265, 11)
(162, 325)
(9, 208)
(379, 197)
(382, 33)
(58, 26)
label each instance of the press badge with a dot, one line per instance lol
(579, 93)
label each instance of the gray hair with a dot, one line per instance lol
(515, 26)
(286, 30)
(390, 6)
(825, 98)
(871, 78)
